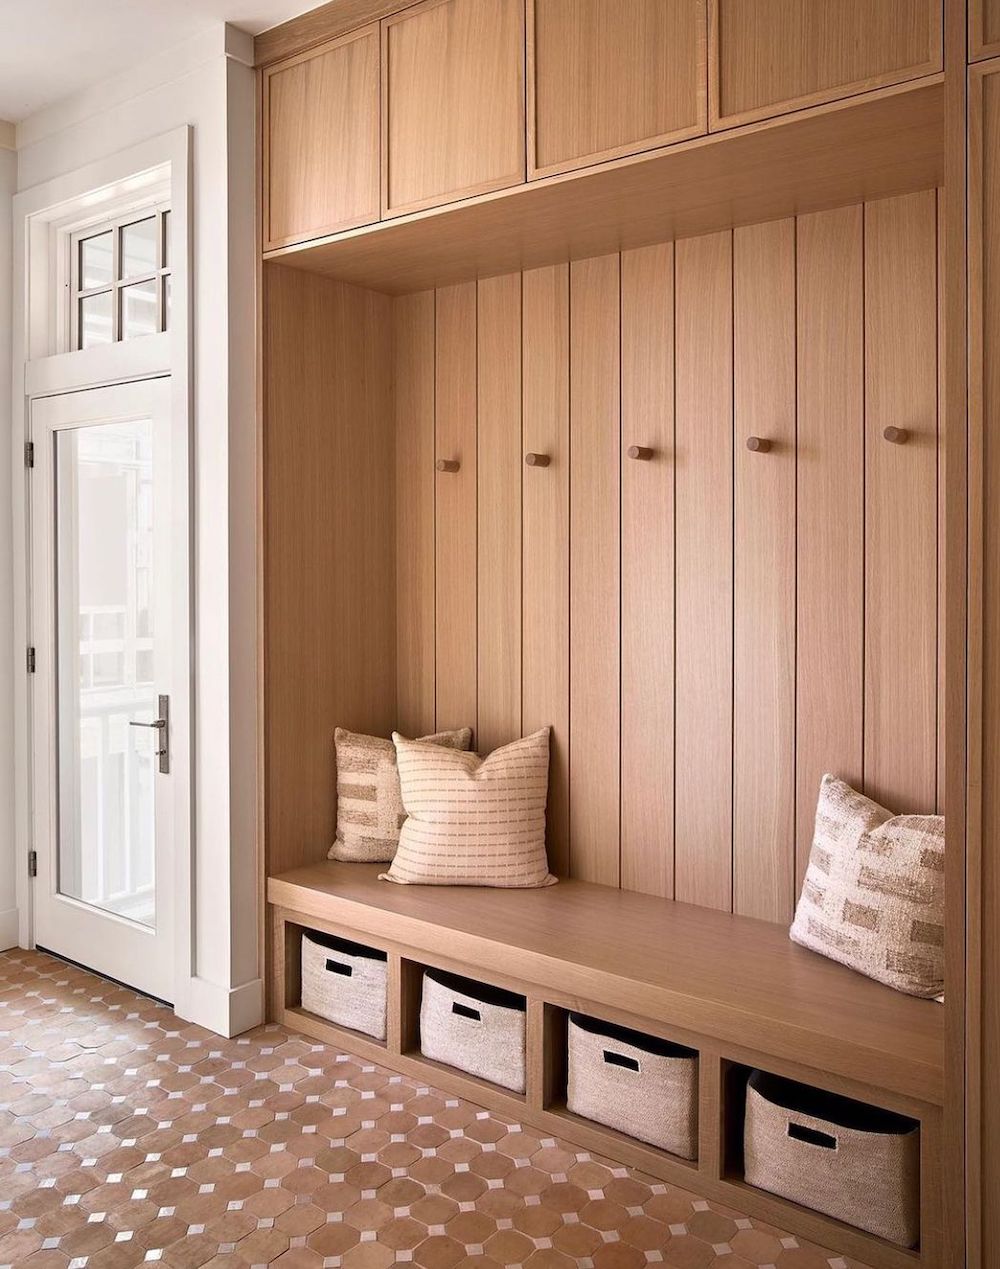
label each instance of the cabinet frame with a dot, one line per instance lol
(979, 47)
(717, 121)
(640, 146)
(369, 30)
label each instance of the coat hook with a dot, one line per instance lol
(536, 460)
(758, 444)
(641, 452)
(447, 464)
(897, 435)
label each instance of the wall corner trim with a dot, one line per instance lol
(228, 1011)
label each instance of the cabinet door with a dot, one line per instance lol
(772, 56)
(321, 142)
(984, 29)
(610, 79)
(453, 114)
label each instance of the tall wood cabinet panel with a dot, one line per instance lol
(456, 556)
(984, 29)
(545, 559)
(452, 101)
(647, 584)
(771, 56)
(901, 502)
(413, 378)
(611, 79)
(595, 531)
(499, 509)
(764, 343)
(830, 510)
(703, 782)
(321, 140)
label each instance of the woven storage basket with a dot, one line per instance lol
(637, 1083)
(477, 1028)
(855, 1162)
(344, 982)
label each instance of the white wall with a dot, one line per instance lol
(8, 908)
(209, 85)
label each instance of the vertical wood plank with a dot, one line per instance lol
(595, 532)
(414, 385)
(901, 502)
(499, 468)
(455, 516)
(830, 510)
(647, 718)
(703, 833)
(764, 585)
(545, 510)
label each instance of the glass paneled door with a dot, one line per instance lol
(103, 574)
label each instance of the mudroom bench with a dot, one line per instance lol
(736, 991)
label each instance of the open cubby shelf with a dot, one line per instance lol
(723, 1069)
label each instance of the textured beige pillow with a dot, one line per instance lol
(473, 821)
(873, 895)
(369, 806)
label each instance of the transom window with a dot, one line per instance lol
(121, 279)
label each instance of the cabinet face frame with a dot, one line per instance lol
(717, 121)
(637, 146)
(979, 46)
(370, 31)
(454, 195)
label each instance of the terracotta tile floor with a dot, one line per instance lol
(127, 1136)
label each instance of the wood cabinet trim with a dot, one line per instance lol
(536, 171)
(980, 47)
(456, 195)
(270, 243)
(717, 121)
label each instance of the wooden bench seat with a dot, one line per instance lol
(731, 979)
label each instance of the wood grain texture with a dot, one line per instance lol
(499, 469)
(545, 505)
(888, 143)
(777, 55)
(329, 541)
(317, 26)
(606, 80)
(703, 781)
(595, 576)
(456, 556)
(830, 510)
(984, 29)
(647, 584)
(413, 383)
(901, 532)
(321, 140)
(764, 340)
(452, 101)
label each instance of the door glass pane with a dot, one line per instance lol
(139, 309)
(95, 319)
(139, 248)
(104, 578)
(95, 261)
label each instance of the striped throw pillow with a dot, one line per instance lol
(369, 805)
(873, 895)
(473, 821)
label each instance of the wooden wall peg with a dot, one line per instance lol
(536, 460)
(640, 452)
(758, 444)
(897, 435)
(447, 464)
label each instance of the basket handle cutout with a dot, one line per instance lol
(798, 1132)
(464, 1011)
(619, 1059)
(338, 967)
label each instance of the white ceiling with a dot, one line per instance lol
(50, 49)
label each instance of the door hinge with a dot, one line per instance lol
(31, 660)
(32, 863)
(29, 453)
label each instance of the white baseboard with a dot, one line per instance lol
(9, 929)
(227, 1011)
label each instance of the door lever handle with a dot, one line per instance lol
(162, 725)
(157, 722)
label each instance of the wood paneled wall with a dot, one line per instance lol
(710, 629)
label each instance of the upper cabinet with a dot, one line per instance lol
(453, 101)
(606, 79)
(984, 29)
(771, 56)
(321, 140)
